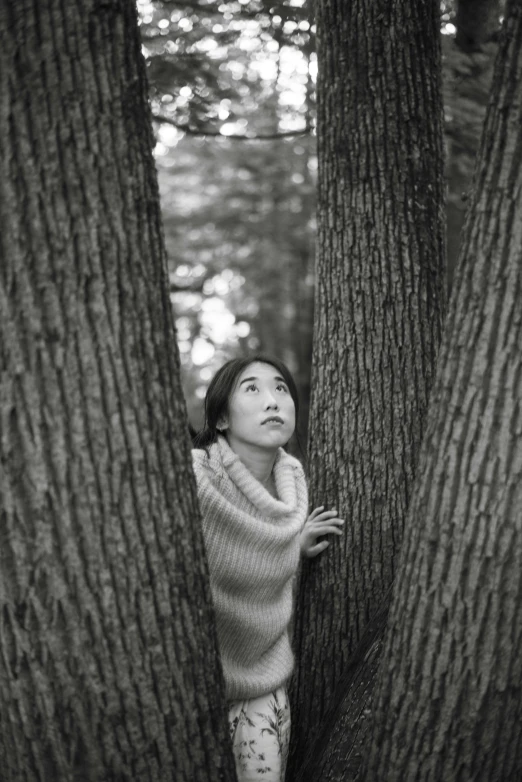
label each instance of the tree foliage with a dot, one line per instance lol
(225, 73)
(210, 59)
(239, 213)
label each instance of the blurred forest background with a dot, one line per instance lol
(232, 95)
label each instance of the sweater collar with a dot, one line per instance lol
(253, 490)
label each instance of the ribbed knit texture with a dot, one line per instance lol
(252, 543)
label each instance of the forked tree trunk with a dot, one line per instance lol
(378, 311)
(108, 662)
(449, 704)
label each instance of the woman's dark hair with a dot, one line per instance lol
(223, 384)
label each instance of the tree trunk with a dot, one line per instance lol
(378, 311)
(341, 739)
(449, 703)
(477, 22)
(469, 60)
(108, 663)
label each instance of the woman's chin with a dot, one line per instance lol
(276, 438)
(269, 440)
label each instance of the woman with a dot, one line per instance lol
(254, 504)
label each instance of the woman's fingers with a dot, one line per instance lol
(319, 523)
(313, 551)
(319, 514)
(318, 532)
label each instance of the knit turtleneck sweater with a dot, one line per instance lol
(252, 544)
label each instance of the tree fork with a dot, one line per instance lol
(339, 743)
(448, 700)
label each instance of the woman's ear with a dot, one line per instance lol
(222, 424)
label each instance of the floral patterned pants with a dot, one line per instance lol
(260, 732)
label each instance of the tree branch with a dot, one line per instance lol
(235, 136)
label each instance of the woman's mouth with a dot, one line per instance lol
(274, 419)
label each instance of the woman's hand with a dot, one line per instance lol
(320, 522)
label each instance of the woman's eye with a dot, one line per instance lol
(282, 387)
(251, 386)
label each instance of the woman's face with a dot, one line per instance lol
(261, 411)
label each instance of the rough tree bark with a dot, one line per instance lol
(477, 22)
(449, 704)
(108, 661)
(343, 735)
(468, 71)
(378, 312)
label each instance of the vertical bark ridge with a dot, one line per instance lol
(450, 683)
(378, 312)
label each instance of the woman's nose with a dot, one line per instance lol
(270, 401)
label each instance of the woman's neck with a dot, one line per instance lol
(259, 461)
